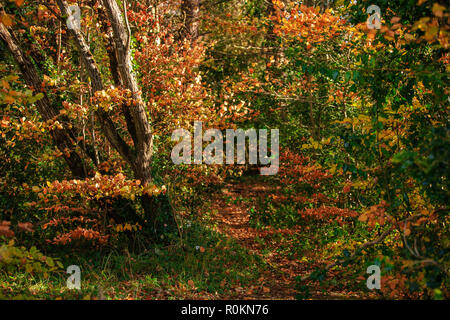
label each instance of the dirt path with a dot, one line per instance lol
(278, 281)
(233, 220)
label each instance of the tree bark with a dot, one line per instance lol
(114, 69)
(135, 115)
(107, 124)
(144, 137)
(191, 10)
(61, 137)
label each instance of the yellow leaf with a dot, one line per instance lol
(431, 33)
(421, 24)
(28, 268)
(333, 169)
(409, 37)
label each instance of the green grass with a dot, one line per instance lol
(204, 265)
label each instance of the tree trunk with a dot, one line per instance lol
(136, 115)
(61, 137)
(191, 10)
(143, 135)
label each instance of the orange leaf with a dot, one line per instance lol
(6, 19)
(438, 10)
(363, 218)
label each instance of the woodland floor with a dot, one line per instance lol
(225, 255)
(233, 220)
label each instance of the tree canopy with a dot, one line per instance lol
(349, 98)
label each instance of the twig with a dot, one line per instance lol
(365, 245)
(127, 24)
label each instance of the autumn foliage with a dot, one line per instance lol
(87, 117)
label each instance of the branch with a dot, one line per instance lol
(61, 137)
(365, 245)
(97, 85)
(127, 47)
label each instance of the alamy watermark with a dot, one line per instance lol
(74, 281)
(374, 21)
(374, 280)
(74, 19)
(214, 152)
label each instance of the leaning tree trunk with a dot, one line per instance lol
(143, 132)
(191, 11)
(63, 138)
(138, 123)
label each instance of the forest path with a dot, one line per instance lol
(231, 210)
(233, 219)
